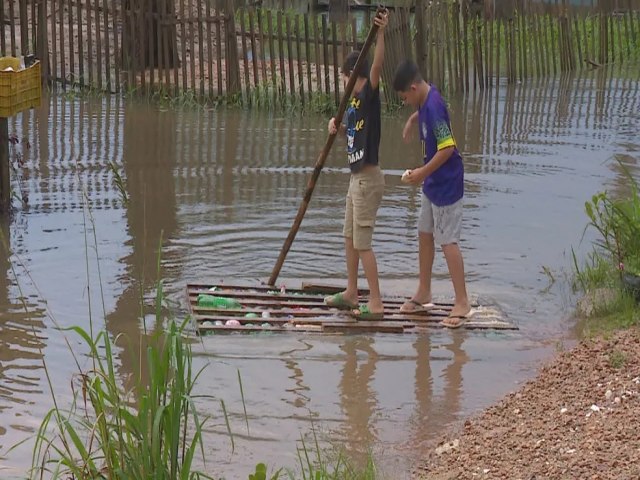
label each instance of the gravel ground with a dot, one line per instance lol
(578, 419)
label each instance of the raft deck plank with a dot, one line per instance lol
(303, 310)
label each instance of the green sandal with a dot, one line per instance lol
(363, 313)
(338, 301)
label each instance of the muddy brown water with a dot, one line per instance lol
(222, 188)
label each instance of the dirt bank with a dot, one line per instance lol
(578, 419)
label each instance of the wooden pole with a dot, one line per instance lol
(323, 156)
(5, 183)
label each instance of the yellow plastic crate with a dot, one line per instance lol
(12, 62)
(20, 90)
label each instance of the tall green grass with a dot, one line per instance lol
(151, 430)
(615, 255)
(322, 463)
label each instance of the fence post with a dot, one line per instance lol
(24, 28)
(231, 49)
(421, 53)
(5, 183)
(42, 45)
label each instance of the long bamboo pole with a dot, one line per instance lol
(323, 155)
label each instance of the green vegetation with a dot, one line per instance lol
(610, 276)
(149, 431)
(617, 359)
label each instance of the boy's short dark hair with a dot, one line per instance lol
(406, 74)
(350, 62)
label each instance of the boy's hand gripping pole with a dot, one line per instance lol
(324, 153)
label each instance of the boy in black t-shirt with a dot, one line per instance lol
(362, 128)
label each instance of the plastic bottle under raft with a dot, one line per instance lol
(217, 302)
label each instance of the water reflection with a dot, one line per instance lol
(358, 399)
(431, 414)
(220, 189)
(22, 340)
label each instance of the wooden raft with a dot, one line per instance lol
(303, 310)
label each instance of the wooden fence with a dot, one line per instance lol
(189, 48)
(465, 50)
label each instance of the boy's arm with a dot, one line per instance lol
(409, 127)
(413, 118)
(437, 161)
(333, 129)
(418, 175)
(381, 20)
(445, 145)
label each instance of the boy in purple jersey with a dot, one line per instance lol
(442, 177)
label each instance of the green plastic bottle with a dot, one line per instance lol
(217, 302)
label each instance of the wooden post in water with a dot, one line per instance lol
(5, 183)
(323, 156)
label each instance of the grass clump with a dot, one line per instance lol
(617, 359)
(610, 276)
(151, 430)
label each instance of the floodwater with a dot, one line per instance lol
(219, 190)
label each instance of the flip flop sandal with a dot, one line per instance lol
(363, 313)
(417, 307)
(462, 319)
(338, 301)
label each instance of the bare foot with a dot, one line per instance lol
(415, 304)
(375, 306)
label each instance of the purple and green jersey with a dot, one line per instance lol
(445, 186)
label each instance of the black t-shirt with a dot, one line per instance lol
(362, 120)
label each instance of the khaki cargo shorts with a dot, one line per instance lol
(363, 200)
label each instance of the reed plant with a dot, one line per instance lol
(150, 430)
(611, 273)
